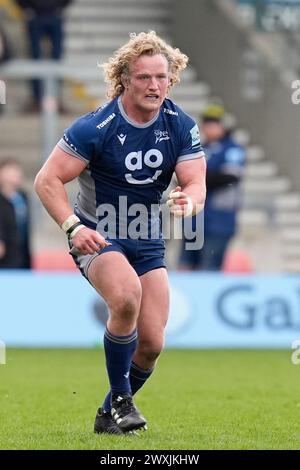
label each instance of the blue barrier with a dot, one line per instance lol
(207, 311)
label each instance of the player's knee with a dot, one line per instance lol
(150, 350)
(127, 303)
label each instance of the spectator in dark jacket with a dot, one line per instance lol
(5, 55)
(5, 52)
(10, 249)
(14, 217)
(225, 167)
(44, 20)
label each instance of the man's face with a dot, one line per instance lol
(148, 82)
(212, 131)
(11, 175)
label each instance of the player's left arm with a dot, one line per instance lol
(188, 197)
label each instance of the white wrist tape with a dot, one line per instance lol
(76, 229)
(71, 220)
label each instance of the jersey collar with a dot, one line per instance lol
(130, 121)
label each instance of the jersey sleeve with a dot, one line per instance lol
(190, 145)
(80, 139)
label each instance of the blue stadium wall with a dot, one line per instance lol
(207, 311)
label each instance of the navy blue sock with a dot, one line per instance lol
(118, 352)
(137, 378)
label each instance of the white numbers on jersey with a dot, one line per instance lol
(134, 161)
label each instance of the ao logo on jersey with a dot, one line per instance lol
(153, 158)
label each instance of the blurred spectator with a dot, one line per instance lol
(225, 164)
(10, 251)
(14, 217)
(5, 52)
(44, 20)
(5, 55)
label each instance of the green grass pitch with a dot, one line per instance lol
(195, 400)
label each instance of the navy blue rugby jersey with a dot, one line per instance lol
(129, 165)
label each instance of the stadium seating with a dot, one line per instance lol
(94, 28)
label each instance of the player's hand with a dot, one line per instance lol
(88, 241)
(179, 203)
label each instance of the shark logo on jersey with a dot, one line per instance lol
(161, 135)
(122, 138)
(195, 136)
(134, 161)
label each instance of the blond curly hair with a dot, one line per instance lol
(143, 43)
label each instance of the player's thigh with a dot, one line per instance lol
(154, 305)
(114, 278)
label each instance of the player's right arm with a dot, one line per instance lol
(59, 169)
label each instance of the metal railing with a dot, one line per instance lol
(50, 72)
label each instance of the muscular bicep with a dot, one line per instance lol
(62, 165)
(191, 172)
